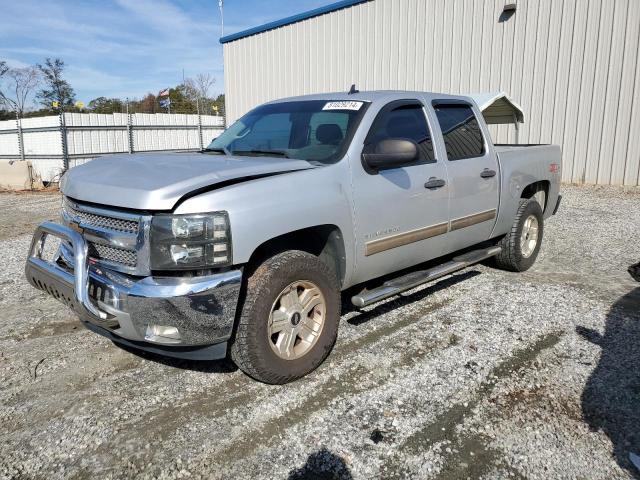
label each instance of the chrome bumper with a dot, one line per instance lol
(179, 317)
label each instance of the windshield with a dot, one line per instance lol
(314, 130)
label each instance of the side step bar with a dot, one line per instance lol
(413, 279)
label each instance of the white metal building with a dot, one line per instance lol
(572, 64)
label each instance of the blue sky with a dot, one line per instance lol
(126, 48)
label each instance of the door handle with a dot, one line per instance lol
(486, 173)
(434, 183)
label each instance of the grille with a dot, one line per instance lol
(101, 221)
(112, 254)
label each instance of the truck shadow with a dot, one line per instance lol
(611, 397)
(204, 366)
(322, 465)
(364, 316)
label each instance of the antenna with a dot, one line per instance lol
(353, 89)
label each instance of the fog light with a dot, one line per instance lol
(162, 333)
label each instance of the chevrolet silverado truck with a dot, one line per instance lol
(242, 250)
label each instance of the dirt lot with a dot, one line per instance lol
(484, 374)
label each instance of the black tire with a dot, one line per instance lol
(251, 350)
(511, 257)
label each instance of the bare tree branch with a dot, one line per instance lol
(17, 86)
(200, 86)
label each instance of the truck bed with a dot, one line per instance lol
(523, 164)
(504, 147)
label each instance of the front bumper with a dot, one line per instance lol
(174, 316)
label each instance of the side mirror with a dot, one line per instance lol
(390, 153)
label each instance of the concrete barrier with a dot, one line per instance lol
(17, 176)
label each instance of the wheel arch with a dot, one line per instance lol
(324, 241)
(532, 189)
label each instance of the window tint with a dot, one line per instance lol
(269, 132)
(326, 118)
(312, 130)
(406, 121)
(461, 131)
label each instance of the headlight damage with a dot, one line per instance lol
(182, 242)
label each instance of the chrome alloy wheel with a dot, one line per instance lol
(529, 236)
(296, 320)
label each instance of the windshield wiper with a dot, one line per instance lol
(223, 150)
(274, 153)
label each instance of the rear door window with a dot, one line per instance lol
(461, 131)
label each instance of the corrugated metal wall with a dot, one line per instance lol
(572, 64)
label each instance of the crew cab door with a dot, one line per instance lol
(473, 173)
(401, 214)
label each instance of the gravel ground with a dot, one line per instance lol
(485, 374)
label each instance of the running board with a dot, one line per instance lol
(413, 279)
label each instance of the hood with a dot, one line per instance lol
(157, 181)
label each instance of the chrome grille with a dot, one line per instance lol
(100, 221)
(116, 239)
(113, 254)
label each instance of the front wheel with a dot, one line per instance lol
(289, 319)
(521, 245)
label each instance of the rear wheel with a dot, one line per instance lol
(289, 320)
(521, 245)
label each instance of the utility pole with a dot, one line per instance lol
(220, 6)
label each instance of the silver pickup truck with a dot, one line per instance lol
(243, 249)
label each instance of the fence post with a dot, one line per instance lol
(63, 136)
(129, 130)
(224, 116)
(20, 137)
(199, 125)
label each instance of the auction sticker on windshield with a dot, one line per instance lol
(350, 105)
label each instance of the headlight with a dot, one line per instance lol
(186, 242)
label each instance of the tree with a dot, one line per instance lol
(57, 88)
(199, 87)
(218, 103)
(181, 102)
(4, 115)
(148, 104)
(17, 86)
(106, 105)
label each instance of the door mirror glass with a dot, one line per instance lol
(391, 153)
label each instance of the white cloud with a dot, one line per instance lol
(13, 63)
(128, 47)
